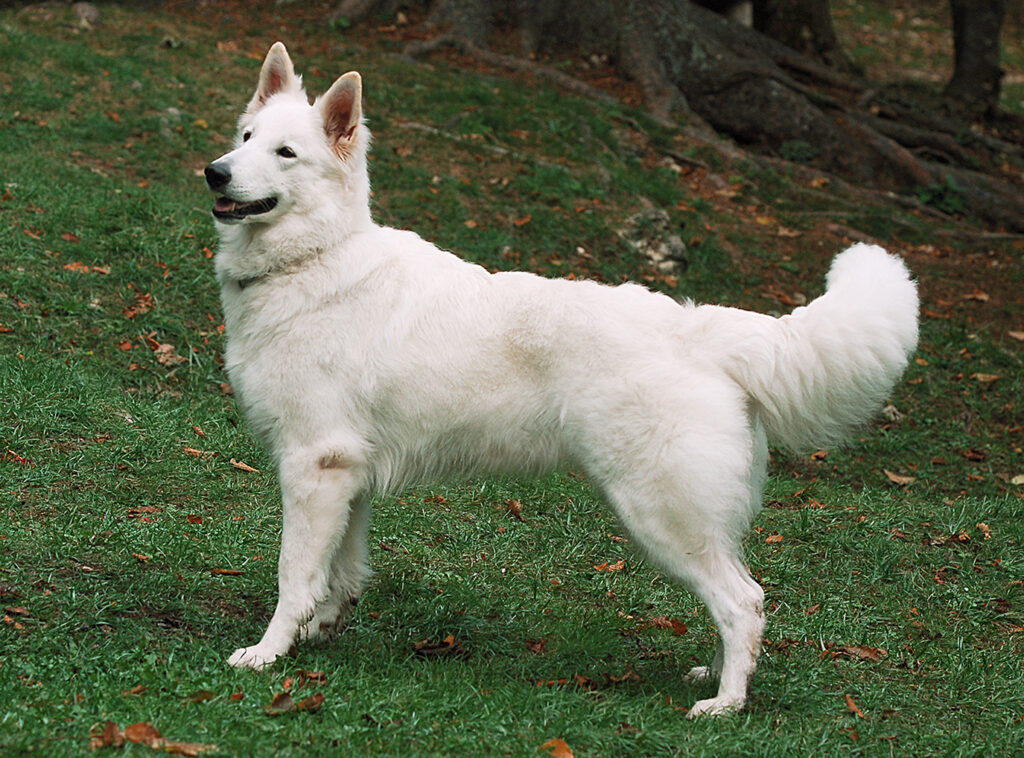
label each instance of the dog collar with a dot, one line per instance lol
(249, 280)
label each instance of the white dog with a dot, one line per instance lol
(366, 359)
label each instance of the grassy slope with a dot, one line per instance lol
(109, 529)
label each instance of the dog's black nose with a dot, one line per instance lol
(217, 176)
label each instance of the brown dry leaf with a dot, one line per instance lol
(311, 676)
(243, 466)
(984, 378)
(469, 224)
(773, 539)
(69, 237)
(199, 696)
(1019, 336)
(537, 647)
(857, 652)
(515, 509)
(446, 648)
(977, 296)
(819, 455)
(138, 689)
(523, 221)
(226, 572)
(852, 707)
(143, 304)
(108, 736)
(166, 356)
(558, 748)
(661, 622)
(310, 704)
(903, 481)
(142, 732)
(983, 528)
(140, 557)
(199, 453)
(617, 566)
(281, 703)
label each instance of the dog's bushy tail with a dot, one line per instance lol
(828, 367)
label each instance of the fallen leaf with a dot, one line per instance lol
(852, 707)
(1017, 480)
(617, 566)
(537, 647)
(310, 704)
(983, 528)
(984, 378)
(140, 557)
(166, 356)
(108, 736)
(244, 466)
(903, 481)
(522, 221)
(448, 647)
(226, 572)
(199, 696)
(1019, 336)
(558, 748)
(515, 509)
(977, 296)
(142, 733)
(138, 689)
(661, 622)
(311, 676)
(856, 652)
(281, 703)
(199, 453)
(236, 696)
(69, 237)
(773, 539)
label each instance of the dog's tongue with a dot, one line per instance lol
(224, 205)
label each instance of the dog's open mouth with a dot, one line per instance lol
(227, 209)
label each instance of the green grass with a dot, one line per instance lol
(109, 529)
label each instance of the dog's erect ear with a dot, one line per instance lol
(341, 106)
(277, 75)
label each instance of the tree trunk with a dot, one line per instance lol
(804, 26)
(974, 89)
(699, 67)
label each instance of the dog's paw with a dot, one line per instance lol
(714, 706)
(251, 658)
(698, 674)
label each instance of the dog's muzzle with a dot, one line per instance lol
(218, 177)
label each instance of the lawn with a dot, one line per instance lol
(139, 520)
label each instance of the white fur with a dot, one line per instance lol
(366, 359)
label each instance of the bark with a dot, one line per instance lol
(804, 26)
(974, 88)
(698, 68)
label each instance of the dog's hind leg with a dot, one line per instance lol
(320, 503)
(687, 497)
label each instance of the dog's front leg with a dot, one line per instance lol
(318, 494)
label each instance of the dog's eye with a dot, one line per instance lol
(286, 152)
(246, 136)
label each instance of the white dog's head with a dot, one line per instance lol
(289, 155)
